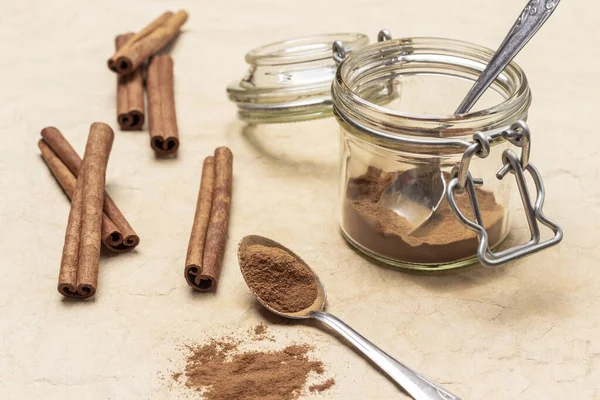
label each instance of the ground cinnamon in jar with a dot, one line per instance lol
(278, 278)
(441, 239)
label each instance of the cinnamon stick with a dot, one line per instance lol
(164, 137)
(78, 277)
(147, 42)
(130, 94)
(205, 276)
(195, 253)
(65, 164)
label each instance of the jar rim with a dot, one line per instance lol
(303, 49)
(290, 80)
(349, 105)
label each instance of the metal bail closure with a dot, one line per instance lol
(339, 51)
(518, 134)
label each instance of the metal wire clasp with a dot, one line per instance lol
(519, 135)
(340, 52)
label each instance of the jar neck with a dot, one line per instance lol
(360, 81)
(290, 80)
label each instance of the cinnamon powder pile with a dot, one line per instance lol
(260, 332)
(321, 387)
(220, 371)
(441, 239)
(260, 329)
(278, 278)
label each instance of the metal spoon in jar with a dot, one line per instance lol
(426, 185)
(417, 386)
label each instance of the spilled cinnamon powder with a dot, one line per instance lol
(219, 370)
(321, 387)
(260, 332)
(260, 329)
(278, 278)
(441, 239)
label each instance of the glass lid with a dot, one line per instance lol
(290, 80)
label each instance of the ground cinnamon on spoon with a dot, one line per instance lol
(278, 278)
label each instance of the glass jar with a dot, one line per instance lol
(398, 159)
(290, 80)
(408, 198)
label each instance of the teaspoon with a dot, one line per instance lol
(531, 19)
(417, 193)
(417, 386)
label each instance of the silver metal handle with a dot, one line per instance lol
(340, 52)
(419, 387)
(531, 19)
(519, 135)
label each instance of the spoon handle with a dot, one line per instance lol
(419, 387)
(531, 19)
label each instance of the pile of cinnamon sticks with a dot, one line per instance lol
(209, 231)
(129, 62)
(65, 164)
(94, 218)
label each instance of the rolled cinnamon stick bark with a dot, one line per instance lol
(195, 253)
(65, 164)
(78, 277)
(164, 137)
(147, 42)
(216, 235)
(67, 181)
(69, 263)
(130, 94)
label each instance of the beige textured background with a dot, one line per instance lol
(527, 331)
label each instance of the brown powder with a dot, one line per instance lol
(260, 329)
(278, 278)
(260, 332)
(322, 386)
(220, 371)
(442, 239)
